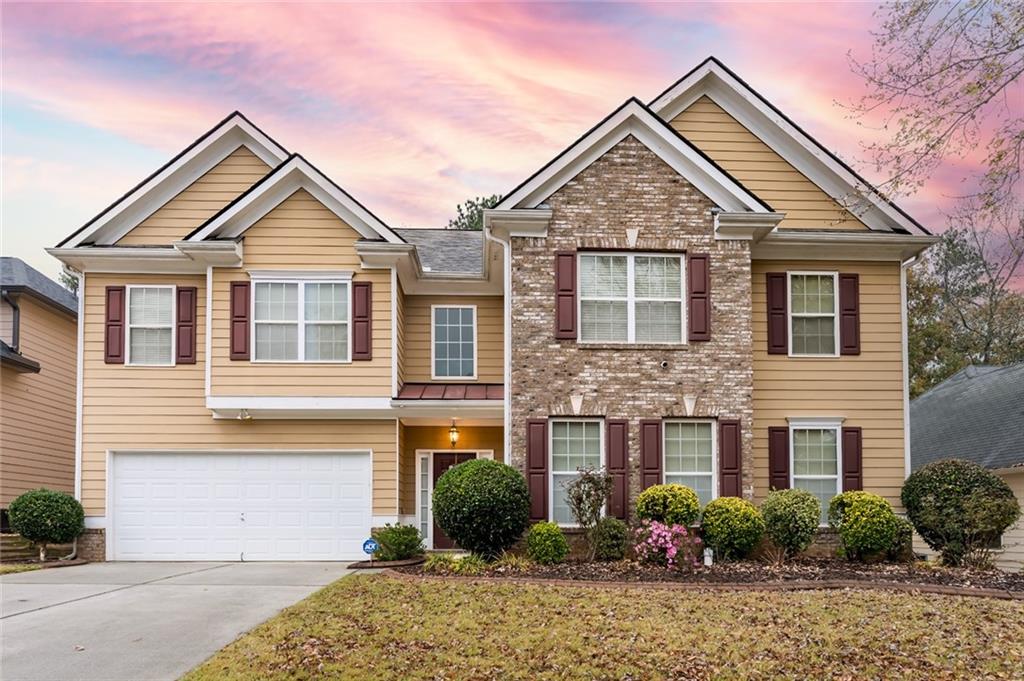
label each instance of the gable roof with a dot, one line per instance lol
(18, 277)
(117, 219)
(288, 177)
(448, 251)
(976, 414)
(636, 119)
(751, 109)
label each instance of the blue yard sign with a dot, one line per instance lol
(370, 546)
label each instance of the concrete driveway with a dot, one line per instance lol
(114, 621)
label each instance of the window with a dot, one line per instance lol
(628, 298)
(689, 451)
(575, 444)
(815, 463)
(813, 321)
(453, 342)
(424, 500)
(299, 321)
(151, 325)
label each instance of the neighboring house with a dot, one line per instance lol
(976, 414)
(38, 318)
(694, 291)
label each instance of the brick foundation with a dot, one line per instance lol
(92, 545)
(630, 188)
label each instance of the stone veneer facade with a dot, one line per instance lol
(630, 187)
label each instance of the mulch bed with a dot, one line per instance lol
(374, 564)
(750, 573)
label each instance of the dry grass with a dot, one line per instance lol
(15, 568)
(378, 627)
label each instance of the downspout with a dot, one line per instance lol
(506, 248)
(904, 340)
(15, 322)
(79, 367)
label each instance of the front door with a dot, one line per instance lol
(442, 462)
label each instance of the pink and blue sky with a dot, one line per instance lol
(412, 108)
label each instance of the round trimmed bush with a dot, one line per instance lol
(958, 507)
(482, 505)
(46, 517)
(865, 522)
(398, 542)
(611, 538)
(546, 544)
(732, 527)
(791, 518)
(669, 504)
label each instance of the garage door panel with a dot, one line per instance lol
(221, 506)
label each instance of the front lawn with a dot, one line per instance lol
(380, 627)
(14, 568)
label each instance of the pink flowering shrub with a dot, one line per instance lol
(672, 546)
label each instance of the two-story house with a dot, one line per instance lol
(694, 291)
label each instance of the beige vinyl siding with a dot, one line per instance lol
(6, 323)
(400, 320)
(437, 438)
(490, 336)
(760, 169)
(301, 234)
(1012, 556)
(133, 408)
(866, 389)
(199, 201)
(37, 411)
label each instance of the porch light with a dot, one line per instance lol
(453, 434)
(243, 415)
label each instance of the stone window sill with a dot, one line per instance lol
(634, 346)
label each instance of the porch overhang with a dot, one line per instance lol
(245, 408)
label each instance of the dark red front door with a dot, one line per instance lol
(442, 462)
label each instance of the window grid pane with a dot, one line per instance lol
(150, 346)
(326, 302)
(276, 301)
(815, 464)
(453, 342)
(277, 342)
(150, 320)
(574, 445)
(812, 301)
(610, 300)
(326, 342)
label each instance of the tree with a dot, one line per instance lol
(69, 281)
(943, 76)
(470, 214)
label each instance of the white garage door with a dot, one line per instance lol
(240, 506)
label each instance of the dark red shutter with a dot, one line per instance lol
(778, 458)
(240, 319)
(699, 276)
(730, 463)
(537, 468)
(853, 468)
(650, 453)
(849, 314)
(113, 338)
(185, 340)
(618, 468)
(776, 295)
(362, 320)
(565, 295)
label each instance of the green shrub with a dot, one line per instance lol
(398, 542)
(791, 518)
(669, 504)
(902, 548)
(865, 522)
(959, 508)
(482, 505)
(512, 562)
(545, 544)
(469, 565)
(439, 564)
(46, 517)
(732, 527)
(611, 538)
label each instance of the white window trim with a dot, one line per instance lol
(631, 299)
(551, 469)
(128, 325)
(835, 311)
(835, 424)
(714, 452)
(433, 324)
(300, 280)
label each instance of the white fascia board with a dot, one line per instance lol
(121, 217)
(493, 409)
(860, 245)
(296, 174)
(745, 226)
(229, 407)
(510, 222)
(160, 260)
(633, 119)
(213, 253)
(791, 143)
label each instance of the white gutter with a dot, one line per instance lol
(79, 372)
